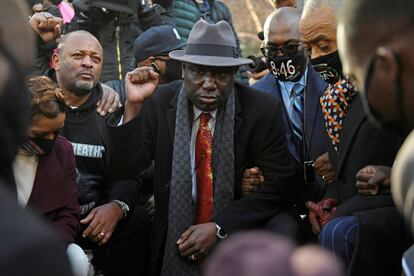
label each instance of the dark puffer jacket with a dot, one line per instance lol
(117, 35)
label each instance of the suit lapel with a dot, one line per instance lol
(352, 123)
(238, 151)
(238, 121)
(171, 114)
(313, 92)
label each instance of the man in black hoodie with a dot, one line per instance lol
(111, 215)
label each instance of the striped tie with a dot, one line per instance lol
(296, 98)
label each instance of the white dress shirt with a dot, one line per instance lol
(194, 129)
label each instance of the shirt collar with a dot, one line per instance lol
(197, 113)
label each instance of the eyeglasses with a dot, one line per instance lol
(286, 50)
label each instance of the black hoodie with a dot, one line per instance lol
(86, 130)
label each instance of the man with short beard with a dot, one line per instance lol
(111, 217)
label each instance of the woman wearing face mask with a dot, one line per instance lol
(44, 168)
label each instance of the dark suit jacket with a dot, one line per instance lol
(361, 144)
(381, 231)
(314, 126)
(54, 193)
(259, 140)
(28, 246)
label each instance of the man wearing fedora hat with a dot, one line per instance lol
(202, 133)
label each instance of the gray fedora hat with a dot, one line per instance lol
(211, 45)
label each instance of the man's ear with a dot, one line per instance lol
(55, 61)
(147, 62)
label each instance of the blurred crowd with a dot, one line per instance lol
(136, 139)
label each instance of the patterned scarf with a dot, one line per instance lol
(181, 214)
(335, 105)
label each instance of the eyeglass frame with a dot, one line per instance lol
(282, 49)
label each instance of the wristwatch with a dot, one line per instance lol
(220, 233)
(124, 207)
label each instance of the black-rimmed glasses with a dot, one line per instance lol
(286, 50)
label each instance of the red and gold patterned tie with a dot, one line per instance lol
(203, 157)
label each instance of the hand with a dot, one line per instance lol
(257, 75)
(320, 213)
(150, 206)
(195, 242)
(47, 26)
(371, 179)
(38, 8)
(109, 101)
(323, 168)
(102, 221)
(252, 178)
(140, 84)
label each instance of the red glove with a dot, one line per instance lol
(320, 213)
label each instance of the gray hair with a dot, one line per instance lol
(310, 6)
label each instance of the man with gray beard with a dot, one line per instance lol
(110, 214)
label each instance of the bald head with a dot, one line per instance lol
(15, 33)
(78, 63)
(73, 37)
(282, 25)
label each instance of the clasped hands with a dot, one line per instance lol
(370, 180)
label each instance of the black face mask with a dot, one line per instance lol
(14, 115)
(288, 68)
(38, 146)
(173, 71)
(329, 67)
(397, 125)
